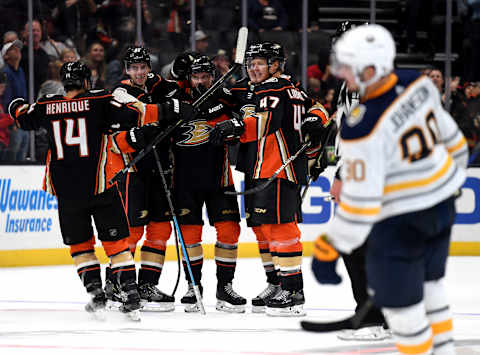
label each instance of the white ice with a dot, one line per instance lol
(41, 312)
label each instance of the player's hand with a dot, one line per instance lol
(313, 129)
(174, 110)
(139, 137)
(181, 66)
(16, 103)
(324, 261)
(225, 131)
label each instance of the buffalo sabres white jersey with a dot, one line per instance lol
(402, 152)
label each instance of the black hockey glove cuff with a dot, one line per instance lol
(139, 137)
(12, 107)
(314, 129)
(181, 66)
(226, 131)
(174, 110)
(319, 166)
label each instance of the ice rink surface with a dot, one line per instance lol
(41, 312)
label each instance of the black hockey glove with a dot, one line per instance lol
(319, 166)
(174, 110)
(313, 129)
(181, 66)
(139, 137)
(12, 108)
(226, 130)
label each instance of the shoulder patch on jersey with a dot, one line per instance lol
(150, 75)
(227, 92)
(356, 115)
(270, 80)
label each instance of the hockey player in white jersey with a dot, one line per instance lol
(404, 161)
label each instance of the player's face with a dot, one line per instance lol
(204, 79)
(257, 69)
(138, 73)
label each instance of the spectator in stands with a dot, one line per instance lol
(5, 119)
(68, 55)
(266, 15)
(16, 87)
(201, 42)
(8, 36)
(95, 60)
(40, 57)
(437, 77)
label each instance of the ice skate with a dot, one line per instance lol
(190, 301)
(372, 333)
(152, 299)
(96, 305)
(131, 301)
(259, 302)
(286, 303)
(228, 300)
(113, 295)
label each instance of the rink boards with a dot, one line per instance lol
(30, 233)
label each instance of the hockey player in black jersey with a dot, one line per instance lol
(193, 152)
(80, 163)
(274, 124)
(142, 189)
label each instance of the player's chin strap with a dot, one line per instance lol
(275, 174)
(239, 57)
(352, 322)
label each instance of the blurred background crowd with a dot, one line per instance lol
(98, 32)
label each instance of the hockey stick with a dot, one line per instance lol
(178, 234)
(352, 322)
(271, 178)
(239, 57)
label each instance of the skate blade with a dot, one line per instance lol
(157, 306)
(376, 333)
(191, 308)
(223, 306)
(113, 305)
(258, 309)
(293, 311)
(134, 315)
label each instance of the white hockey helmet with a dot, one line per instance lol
(362, 47)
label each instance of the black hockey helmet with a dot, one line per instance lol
(136, 54)
(271, 51)
(202, 64)
(73, 74)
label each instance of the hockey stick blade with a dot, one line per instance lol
(271, 178)
(241, 45)
(352, 322)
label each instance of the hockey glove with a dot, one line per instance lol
(314, 129)
(174, 110)
(14, 105)
(181, 66)
(324, 261)
(139, 137)
(226, 130)
(319, 165)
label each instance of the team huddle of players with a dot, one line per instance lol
(267, 114)
(404, 160)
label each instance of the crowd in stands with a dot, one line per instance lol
(98, 31)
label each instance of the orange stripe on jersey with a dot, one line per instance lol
(235, 89)
(442, 327)
(289, 169)
(151, 114)
(415, 349)
(121, 141)
(271, 90)
(250, 133)
(74, 99)
(457, 146)
(156, 83)
(265, 167)
(359, 210)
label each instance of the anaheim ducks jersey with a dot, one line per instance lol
(193, 153)
(275, 126)
(157, 90)
(402, 153)
(243, 94)
(78, 162)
